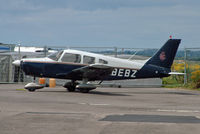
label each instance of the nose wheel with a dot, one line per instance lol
(31, 89)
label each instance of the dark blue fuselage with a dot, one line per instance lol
(59, 70)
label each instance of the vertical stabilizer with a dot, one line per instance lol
(165, 55)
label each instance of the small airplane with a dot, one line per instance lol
(84, 66)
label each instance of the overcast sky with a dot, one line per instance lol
(121, 23)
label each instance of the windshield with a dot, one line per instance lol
(55, 56)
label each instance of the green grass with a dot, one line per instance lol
(173, 86)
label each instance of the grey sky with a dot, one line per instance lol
(122, 23)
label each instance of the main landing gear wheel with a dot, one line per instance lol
(71, 89)
(70, 86)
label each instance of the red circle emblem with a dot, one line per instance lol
(162, 56)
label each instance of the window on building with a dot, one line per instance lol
(88, 60)
(68, 57)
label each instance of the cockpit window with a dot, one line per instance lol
(55, 56)
(68, 57)
(103, 61)
(88, 60)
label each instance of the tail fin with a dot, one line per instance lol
(165, 56)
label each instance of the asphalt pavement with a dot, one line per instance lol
(102, 111)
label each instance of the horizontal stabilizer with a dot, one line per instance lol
(176, 73)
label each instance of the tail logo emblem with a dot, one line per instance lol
(162, 56)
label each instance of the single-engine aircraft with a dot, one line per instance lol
(84, 66)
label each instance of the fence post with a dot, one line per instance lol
(122, 51)
(45, 51)
(185, 67)
(19, 58)
(115, 51)
(19, 52)
(10, 70)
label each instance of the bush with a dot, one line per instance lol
(196, 78)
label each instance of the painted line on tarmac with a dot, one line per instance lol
(82, 103)
(94, 104)
(178, 111)
(151, 118)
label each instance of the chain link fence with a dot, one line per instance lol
(192, 65)
(187, 62)
(188, 59)
(6, 68)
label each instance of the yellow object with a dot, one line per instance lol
(42, 81)
(52, 82)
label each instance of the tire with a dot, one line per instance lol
(31, 89)
(71, 89)
(67, 85)
(70, 86)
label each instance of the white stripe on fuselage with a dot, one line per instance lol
(112, 61)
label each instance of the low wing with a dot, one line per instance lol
(91, 72)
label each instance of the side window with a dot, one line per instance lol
(75, 58)
(103, 61)
(88, 60)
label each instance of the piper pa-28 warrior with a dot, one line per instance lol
(83, 66)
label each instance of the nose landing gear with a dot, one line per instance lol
(31, 87)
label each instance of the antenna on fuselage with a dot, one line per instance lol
(133, 55)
